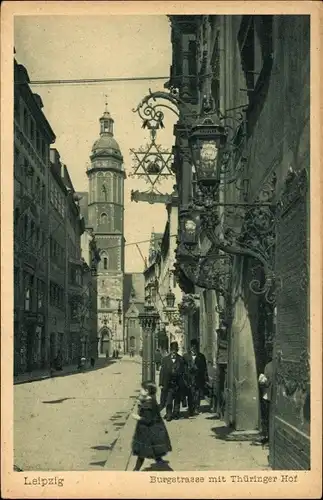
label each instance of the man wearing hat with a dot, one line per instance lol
(196, 377)
(171, 382)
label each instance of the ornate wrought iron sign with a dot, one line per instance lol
(150, 197)
(152, 163)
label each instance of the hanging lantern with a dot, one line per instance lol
(170, 299)
(207, 140)
(189, 228)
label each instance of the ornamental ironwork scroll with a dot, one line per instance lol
(211, 271)
(239, 229)
(152, 162)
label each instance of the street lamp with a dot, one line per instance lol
(207, 141)
(171, 313)
(216, 152)
(148, 320)
(170, 299)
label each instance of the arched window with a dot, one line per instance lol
(102, 302)
(104, 260)
(105, 192)
(104, 218)
(107, 302)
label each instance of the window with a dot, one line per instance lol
(78, 277)
(105, 193)
(28, 291)
(104, 218)
(107, 302)
(105, 263)
(102, 300)
(40, 294)
(132, 323)
(27, 299)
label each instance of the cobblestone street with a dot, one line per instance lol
(80, 422)
(199, 443)
(72, 422)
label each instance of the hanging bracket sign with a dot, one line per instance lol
(150, 197)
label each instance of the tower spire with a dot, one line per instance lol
(106, 122)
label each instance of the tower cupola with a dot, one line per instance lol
(106, 145)
(106, 123)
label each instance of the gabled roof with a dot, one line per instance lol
(133, 290)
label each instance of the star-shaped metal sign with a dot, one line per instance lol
(151, 162)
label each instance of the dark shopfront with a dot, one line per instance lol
(29, 342)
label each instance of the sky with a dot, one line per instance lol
(74, 47)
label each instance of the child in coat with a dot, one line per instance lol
(151, 439)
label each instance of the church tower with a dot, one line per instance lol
(105, 215)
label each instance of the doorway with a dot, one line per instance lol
(105, 344)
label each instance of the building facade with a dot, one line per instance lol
(48, 270)
(252, 73)
(90, 259)
(133, 300)
(33, 136)
(105, 212)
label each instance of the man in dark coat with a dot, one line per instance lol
(171, 381)
(196, 376)
(158, 359)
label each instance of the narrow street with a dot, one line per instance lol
(80, 422)
(73, 422)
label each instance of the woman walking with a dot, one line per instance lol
(151, 439)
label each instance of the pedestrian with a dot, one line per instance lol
(117, 354)
(114, 354)
(196, 377)
(92, 361)
(218, 388)
(171, 382)
(150, 439)
(265, 381)
(59, 361)
(158, 359)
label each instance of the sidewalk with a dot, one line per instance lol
(199, 443)
(67, 370)
(36, 375)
